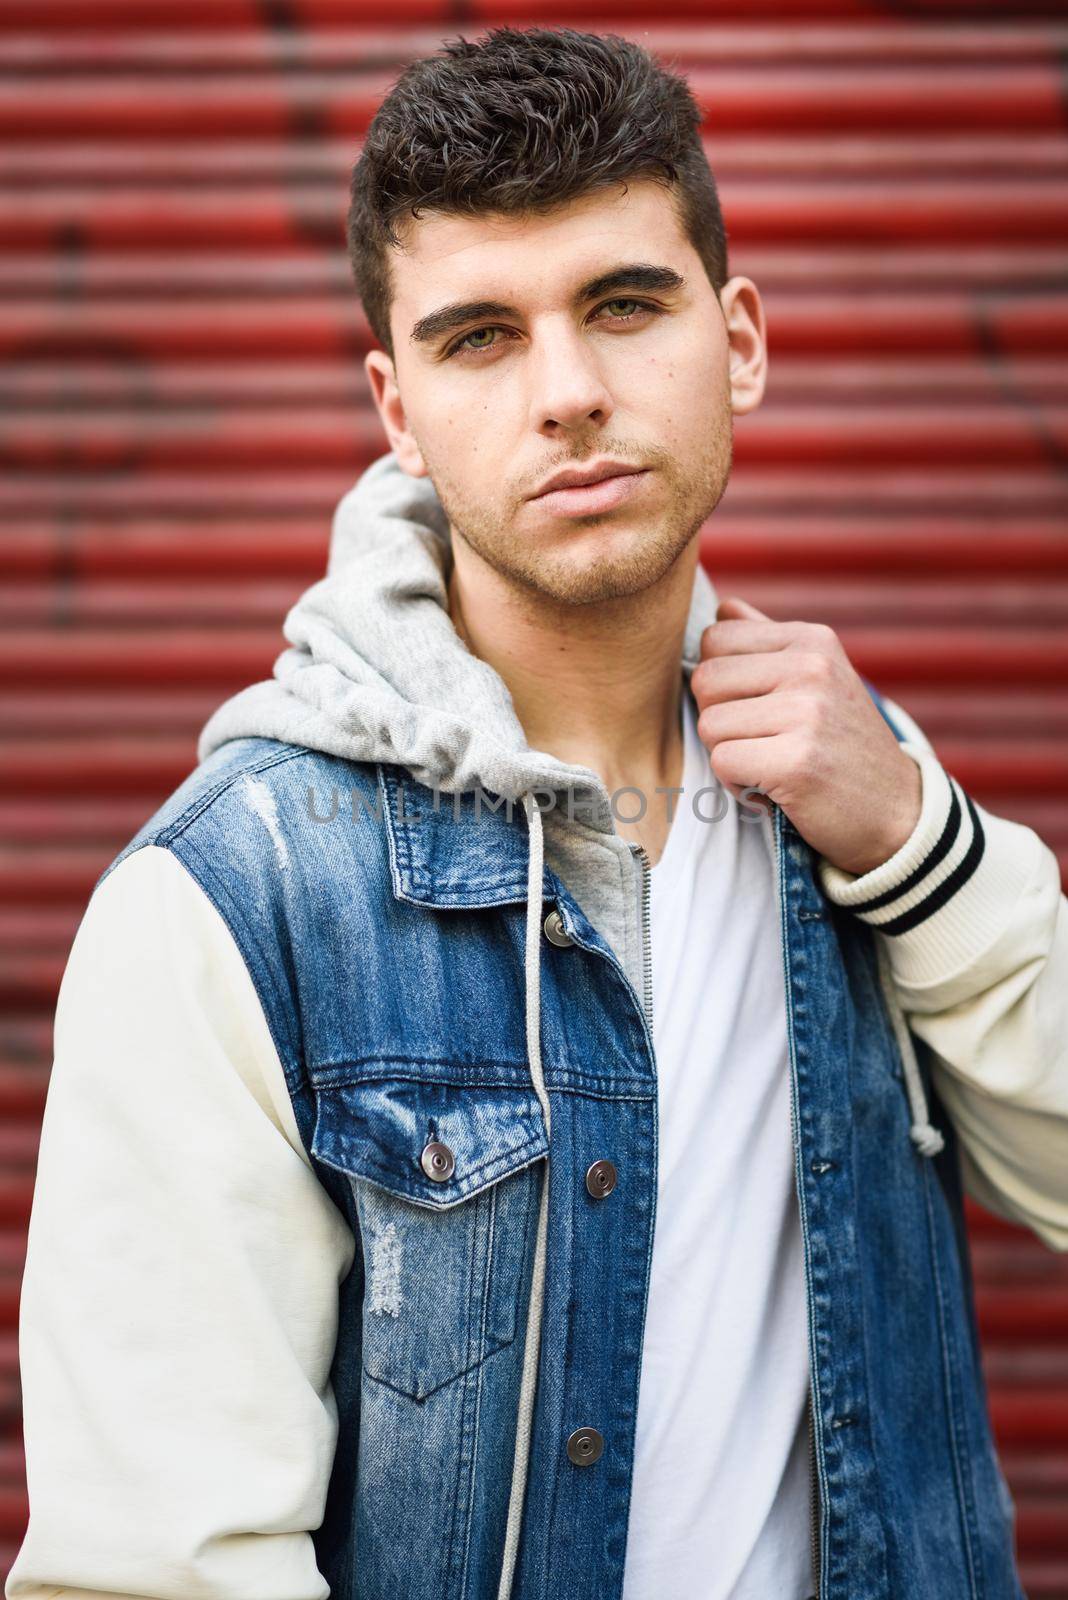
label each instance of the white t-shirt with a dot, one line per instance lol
(720, 1497)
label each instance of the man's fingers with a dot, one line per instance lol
(751, 717)
(722, 678)
(734, 606)
(748, 762)
(739, 636)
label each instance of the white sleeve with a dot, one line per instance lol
(976, 930)
(179, 1302)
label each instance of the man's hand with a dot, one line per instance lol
(783, 711)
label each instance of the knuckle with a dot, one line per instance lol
(819, 668)
(705, 723)
(701, 678)
(722, 768)
(801, 745)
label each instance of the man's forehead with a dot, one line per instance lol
(453, 255)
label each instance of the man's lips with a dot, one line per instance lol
(588, 499)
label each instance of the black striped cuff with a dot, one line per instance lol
(945, 889)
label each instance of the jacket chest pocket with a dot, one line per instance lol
(445, 1185)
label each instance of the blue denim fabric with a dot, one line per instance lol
(388, 954)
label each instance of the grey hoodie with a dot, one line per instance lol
(376, 671)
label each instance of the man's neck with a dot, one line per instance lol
(596, 685)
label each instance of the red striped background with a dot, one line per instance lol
(182, 402)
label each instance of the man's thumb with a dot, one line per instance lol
(734, 608)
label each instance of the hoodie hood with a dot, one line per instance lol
(376, 670)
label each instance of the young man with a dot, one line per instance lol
(423, 1081)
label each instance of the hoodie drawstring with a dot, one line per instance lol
(923, 1134)
(532, 973)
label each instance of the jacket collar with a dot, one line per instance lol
(456, 849)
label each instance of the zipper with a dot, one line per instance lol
(814, 1497)
(647, 949)
(639, 851)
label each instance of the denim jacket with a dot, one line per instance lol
(457, 988)
(490, 1332)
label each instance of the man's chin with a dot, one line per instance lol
(601, 577)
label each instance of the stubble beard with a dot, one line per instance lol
(622, 565)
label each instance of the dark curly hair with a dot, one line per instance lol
(519, 122)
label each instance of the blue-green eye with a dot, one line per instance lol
(464, 346)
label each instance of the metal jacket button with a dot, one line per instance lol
(601, 1179)
(554, 930)
(437, 1161)
(585, 1446)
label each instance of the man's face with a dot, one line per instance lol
(564, 372)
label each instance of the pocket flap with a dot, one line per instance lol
(378, 1130)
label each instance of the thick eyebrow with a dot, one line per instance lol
(633, 275)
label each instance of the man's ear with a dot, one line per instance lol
(386, 395)
(743, 313)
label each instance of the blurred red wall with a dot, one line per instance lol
(182, 403)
